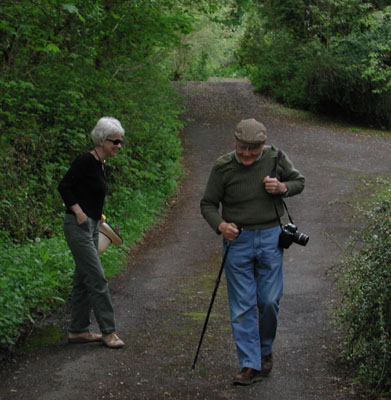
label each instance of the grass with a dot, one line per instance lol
(324, 120)
(42, 336)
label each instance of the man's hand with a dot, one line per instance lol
(229, 230)
(274, 186)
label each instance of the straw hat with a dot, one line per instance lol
(107, 235)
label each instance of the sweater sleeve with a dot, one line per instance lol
(211, 199)
(288, 174)
(69, 181)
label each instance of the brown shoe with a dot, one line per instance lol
(113, 341)
(247, 376)
(84, 337)
(267, 364)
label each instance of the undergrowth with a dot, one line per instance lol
(36, 276)
(364, 284)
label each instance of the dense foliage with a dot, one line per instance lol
(365, 286)
(63, 67)
(332, 56)
(64, 64)
(209, 51)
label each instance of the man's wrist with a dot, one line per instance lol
(284, 188)
(219, 228)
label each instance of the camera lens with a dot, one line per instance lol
(301, 238)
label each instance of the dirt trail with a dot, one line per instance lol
(162, 297)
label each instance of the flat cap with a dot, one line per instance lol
(250, 131)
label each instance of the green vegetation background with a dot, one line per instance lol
(363, 312)
(329, 56)
(63, 67)
(64, 64)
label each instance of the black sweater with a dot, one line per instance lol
(85, 184)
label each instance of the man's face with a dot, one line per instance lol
(248, 153)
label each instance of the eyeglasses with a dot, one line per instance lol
(248, 147)
(115, 141)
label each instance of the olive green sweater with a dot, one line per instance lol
(241, 192)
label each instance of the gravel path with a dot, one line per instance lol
(162, 297)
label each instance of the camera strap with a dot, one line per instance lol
(273, 175)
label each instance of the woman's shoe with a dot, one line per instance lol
(84, 337)
(112, 341)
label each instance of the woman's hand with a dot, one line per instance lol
(81, 216)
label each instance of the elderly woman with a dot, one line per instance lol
(83, 189)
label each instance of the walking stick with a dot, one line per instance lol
(211, 303)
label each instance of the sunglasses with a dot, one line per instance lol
(115, 141)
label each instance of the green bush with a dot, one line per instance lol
(208, 51)
(319, 64)
(278, 66)
(36, 153)
(352, 76)
(364, 282)
(34, 278)
(64, 65)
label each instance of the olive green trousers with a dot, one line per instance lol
(90, 288)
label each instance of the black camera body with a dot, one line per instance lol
(289, 235)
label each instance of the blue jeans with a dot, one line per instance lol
(254, 273)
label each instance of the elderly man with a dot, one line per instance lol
(240, 182)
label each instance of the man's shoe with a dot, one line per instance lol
(84, 337)
(247, 376)
(267, 364)
(112, 341)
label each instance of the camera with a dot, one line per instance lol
(290, 235)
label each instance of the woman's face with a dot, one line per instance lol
(112, 144)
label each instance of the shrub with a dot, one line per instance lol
(63, 67)
(337, 69)
(364, 282)
(34, 278)
(352, 77)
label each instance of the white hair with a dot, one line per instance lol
(106, 126)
